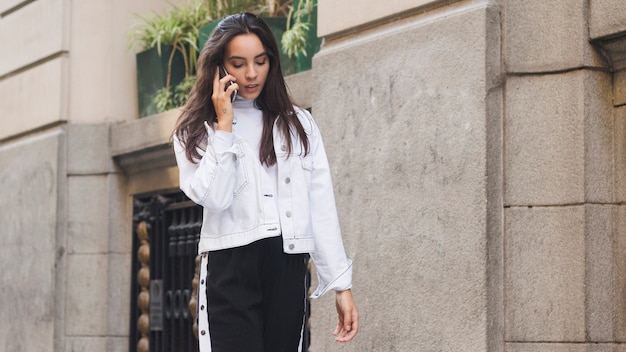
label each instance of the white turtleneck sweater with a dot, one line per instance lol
(248, 124)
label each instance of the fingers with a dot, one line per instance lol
(223, 87)
(232, 87)
(339, 327)
(222, 101)
(216, 83)
(347, 317)
(347, 327)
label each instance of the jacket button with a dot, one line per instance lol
(287, 180)
(283, 147)
(288, 214)
(203, 332)
(292, 246)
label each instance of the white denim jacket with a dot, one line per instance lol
(237, 211)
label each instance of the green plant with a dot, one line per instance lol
(270, 8)
(220, 8)
(294, 40)
(273, 8)
(165, 99)
(179, 28)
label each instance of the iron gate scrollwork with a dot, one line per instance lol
(173, 226)
(163, 296)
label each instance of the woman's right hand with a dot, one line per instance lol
(347, 316)
(222, 101)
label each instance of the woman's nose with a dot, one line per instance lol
(251, 72)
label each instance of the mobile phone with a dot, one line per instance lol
(223, 73)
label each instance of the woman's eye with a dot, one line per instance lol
(237, 66)
(261, 62)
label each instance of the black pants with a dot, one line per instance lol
(256, 298)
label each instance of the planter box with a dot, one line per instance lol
(313, 43)
(152, 76)
(277, 25)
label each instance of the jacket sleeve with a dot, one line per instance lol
(334, 269)
(209, 181)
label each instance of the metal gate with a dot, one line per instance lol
(166, 230)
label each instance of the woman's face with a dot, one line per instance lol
(247, 60)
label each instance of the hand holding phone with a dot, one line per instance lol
(223, 73)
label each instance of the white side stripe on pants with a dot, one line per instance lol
(203, 317)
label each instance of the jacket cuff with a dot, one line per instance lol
(340, 283)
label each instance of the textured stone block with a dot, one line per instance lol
(545, 274)
(32, 99)
(563, 347)
(32, 250)
(118, 304)
(544, 36)
(91, 344)
(6, 5)
(619, 87)
(601, 229)
(117, 344)
(144, 133)
(606, 18)
(88, 149)
(120, 214)
(333, 19)
(37, 29)
(300, 86)
(86, 303)
(544, 135)
(88, 214)
(407, 143)
(619, 114)
(619, 278)
(148, 181)
(87, 51)
(143, 145)
(599, 138)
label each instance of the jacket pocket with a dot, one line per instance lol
(241, 175)
(307, 167)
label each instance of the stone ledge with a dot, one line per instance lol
(614, 49)
(144, 144)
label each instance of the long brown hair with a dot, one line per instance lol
(274, 100)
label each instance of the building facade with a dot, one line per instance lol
(476, 148)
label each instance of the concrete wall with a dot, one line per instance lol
(547, 272)
(563, 218)
(332, 18)
(411, 115)
(69, 62)
(477, 153)
(32, 284)
(65, 76)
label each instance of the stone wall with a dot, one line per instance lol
(32, 255)
(563, 213)
(411, 115)
(477, 155)
(66, 75)
(543, 133)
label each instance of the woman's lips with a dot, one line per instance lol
(251, 88)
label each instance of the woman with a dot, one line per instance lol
(257, 165)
